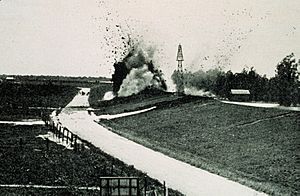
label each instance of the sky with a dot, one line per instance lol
(84, 38)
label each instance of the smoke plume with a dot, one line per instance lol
(108, 96)
(196, 92)
(137, 72)
(137, 80)
(199, 83)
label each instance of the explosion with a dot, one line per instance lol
(136, 72)
(200, 83)
(196, 92)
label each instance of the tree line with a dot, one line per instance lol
(283, 88)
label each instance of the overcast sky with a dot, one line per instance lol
(70, 37)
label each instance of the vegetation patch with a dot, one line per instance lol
(32, 100)
(255, 146)
(25, 159)
(97, 93)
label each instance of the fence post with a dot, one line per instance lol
(165, 188)
(119, 187)
(145, 186)
(137, 187)
(100, 187)
(75, 143)
(67, 136)
(72, 139)
(130, 186)
(63, 134)
(58, 132)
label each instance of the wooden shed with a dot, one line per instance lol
(239, 95)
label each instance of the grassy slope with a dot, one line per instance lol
(216, 137)
(145, 99)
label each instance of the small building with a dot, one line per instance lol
(10, 78)
(239, 95)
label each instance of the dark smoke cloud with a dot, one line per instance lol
(137, 72)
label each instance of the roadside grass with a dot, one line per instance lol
(32, 163)
(257, 147)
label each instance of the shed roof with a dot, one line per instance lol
(240, 92)
(9, 78)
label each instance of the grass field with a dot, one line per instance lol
(30, 100)
(30, 95)
(255, 146)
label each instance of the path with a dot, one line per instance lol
(24, 122)
(178, 175)
(263, 105)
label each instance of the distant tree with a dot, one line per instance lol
(220, 85)
(287, 80)
(257, 85)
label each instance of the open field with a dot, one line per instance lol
(254, 146)
(55, 80)
(30, 95)
(32, 100)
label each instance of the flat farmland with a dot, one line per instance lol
(254, 146)
(32, 100)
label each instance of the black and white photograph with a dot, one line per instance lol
(150, 97)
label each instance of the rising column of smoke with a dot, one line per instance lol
(137, 80)
(199, 83)
(137, 72)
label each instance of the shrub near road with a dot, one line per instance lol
(255, 146)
